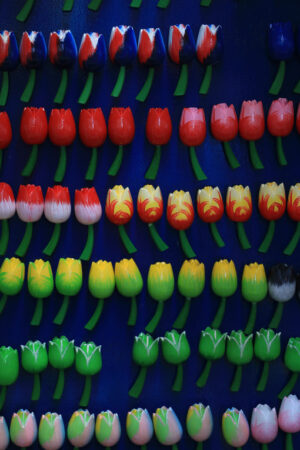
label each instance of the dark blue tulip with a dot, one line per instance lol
(151, 47)
(33, 50)
(122, 45)
(9, 51)
(281, 41)
(62, 49)
(92, 52)
(210, 46)
(181, 45)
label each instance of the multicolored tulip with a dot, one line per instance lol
(23, 428)
(281, 48)
(160, 283)
(224, 128)
(280, 123)
(139, 426)
(30, 208)
(92, 57)
(292, 362)
(271, 205)
(289, 418)
(4, 434)
(239, 351)
(51, 431)
(68, 282)
(210, 209)
(61, 357)
(34, 132)
(12, 274)
(209, 50)
(282, 288)
(81, 428)
(182, 50)
(224, 285)
(293, 209)
(92, 132)
(264, 424)
(239, 210)
(108, 429)
(121, 130)
(5, 133)
(7, 210)
(176, 350)
(167, 428)
(150, 209)
(252, 128)
(62, 51)
(129, 283)
(9, 60)
(235, 427)
(151, 53)
(267, 348)
(119, 210)
(192, 132)
(123, 51)
(254, 290)
(180, 215)
(40, 286)
(199, 422)
(34, 358)
(33, 54)
(9, 370)
(88, 362)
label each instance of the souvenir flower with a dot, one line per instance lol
(23, 428)
(121, 130)
(239, 210)
(34, 359)
(68, 282)
(7, 210)
(12, 274)
(199, 422)
(292, 362)
(123, 51)
(252, 128)
(150, 209)
(281, 48)
(62, 51)
(9, 60)
(9, 371)
(293, 209)
(289, 418)
(92, 57)
(40, 286)
(5, 133)
(81, 428)
(62, 132)
(129, 283)
(30, 208)
(88, 362)
(280, 123)
(211, 347)
(271, 205)
(61, 357)
(191, 282)
(267, 348)
(282, 288)
(160, 283)
(51, 431)
(180, 215)
(139, 426)
(209, 49)
(158, 132)
(210, 209)
(254, 290)
(264, 424)
(176, 350)
(108, 429)
(151, 53)
(239, 351)
(92, 131)
(57, 210)
(224, 285)
(119, 210)
(33, 54)
(34, 131)
(167, 428)
(235, 427)
(182, 49)
(192, 132)
(4, 433)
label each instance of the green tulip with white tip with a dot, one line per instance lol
(239, 351)
(292, 362)
(88, 362)
(9, 370)
(176, 350)
(267, 348)
(34, 359)
(61, 357)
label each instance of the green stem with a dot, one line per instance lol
(206, 80)
(174, 447)
(199, 446)
(242, 236)
(3, 303)
(87, 90)
(297, 88)
(23, 247)
(119, 83)
(38, 313)
(290, 248)
(202, 380)
(183, 315)
(264, 447)
(52, 244)
(163, 4)
(177, 385)
(264, 377)
(135, 3)
(115, 167)
(143, 447)
(289, 441)
(4, 88)
(60, 316)
(230, 156)
(90, 174)
(68, 5)
(2, 396)
(138, 385)
(216, 235)
(60, 384)
(31, 163)
(144, 92)
(133, 313)
(96, 316)
(278, 81)
(151, 327)
(277, 316)
(25, 11)
(85, 398)
(94, 5)
(185, 245)
(28, 91)
(130, 248)
(36, 391)
(89, 246)
(251, 319)
(182, 81)
(280, 151)
(151, 173)
(220, 314)
(199, 174)
(160, 244)
(4, 237)
(236, 383)
(265, 245)
(62, 165)
(205, 2)
(289, 386)
(254, 156)
(61, 92)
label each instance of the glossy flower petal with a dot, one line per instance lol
(62, 48)
(151, 47)
(92, 52)
(272, 200)
(57, 204)
(33, 49)
(7, 202)
(180, 210)
(181, 44)
(119, 205)
(210, 204)
(30, 203)
(122, 45)
(210, 45)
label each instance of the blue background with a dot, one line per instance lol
(245, 73)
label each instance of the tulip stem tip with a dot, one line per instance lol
(96, 316)
(31, 163)
(51, 246)
(237, 379)
(3, 303)
(264, 446)
(205, 3)
(4, 237)
(265, 245)
(216, 323)
(254, 156)
(28, 91)
(277, 316)
(251, 319)
(289, 441)
(62, 165)
(25, 11)
(133, 313)
(60, 317)
(115, 167)
(143, 447)
(289, 386)
(160, 244)
(60, 384)
(199, 446)
(216, 235)
(126, 240)
(85, 398)
(278, 81)
(280, 152)
(38, 313)
(245, 244)
(2, 396)
(135, 3)
(206, 80)
(297, 88)
(151, 173)
(88, 249)
(182, 81)
(87, 90)
(36, 391)
(230, 156)
(264, 377)
(119, 83)
(144, 92)
(68, 5)
(202, 380)
(24, 245)
(90, 174)
(177, 385)
(61, 92)
(152, 325)
(199, 174)
(185, 245)
(138, 385)
(163, 4)
(94, 5)
(290, 248)
(183, 315)
(4, 89)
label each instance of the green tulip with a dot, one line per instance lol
(292, 362)
(9, 370)
(254, 289)
(239, 352)
(34, 359)
(108, 429)
(12, 274)
(266, 348)
(40, 285)
(88, 362)
(176, 350)
(224, 285)
(23, 428)
(81, 428)
(61, 357)
(199, 423)
(51, 431)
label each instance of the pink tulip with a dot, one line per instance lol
(264, 424)
(289, 414)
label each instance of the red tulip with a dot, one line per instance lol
(5, 132)
(92, 132)
(252, 127)
(280, 123)
(298, 119)
(7, 210)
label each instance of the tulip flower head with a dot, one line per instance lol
(292, 362)
(9, 60)
(176, 350)
(12, 274)
(254, 290)
(264, 424)
(293, 209)
(9, 370)
(61, 357)
(289, 418)
(282, 288)
(167, 428)
(252, 128)
(199, 422)
(23, 428)
(239, 210)
(51, 431)
(239, 351)
(108, 429)
(7, 210)
(210, 208)
(40, 286)
(81, 428)
(224, 285)
(267, 348)
(235, 427)
(209, 50)
(88, 362)
(280, 123)
(34, 360)
(139, 426)
(5, 133)
(4, 434)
